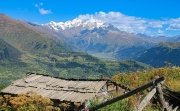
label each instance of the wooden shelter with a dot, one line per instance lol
(72, 90)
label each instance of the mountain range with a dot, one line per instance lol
(104, 40)
(79, 48)
(91, 35)
(25, 46)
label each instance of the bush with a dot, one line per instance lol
(27, 102)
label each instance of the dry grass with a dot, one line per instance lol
(136, 79)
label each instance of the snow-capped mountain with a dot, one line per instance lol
(89, 23)
(108, 34)
(95, 36)
(130, 24)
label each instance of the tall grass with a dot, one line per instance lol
(135, 79)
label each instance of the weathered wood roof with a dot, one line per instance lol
(56, 88)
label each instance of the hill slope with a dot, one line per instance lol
(161, 54)
(7, 52)
(20, 36)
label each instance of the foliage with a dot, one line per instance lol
(118, 106)
(33, 102)
(27, 102)
(135, 79)
(65, 106)
(93, 102)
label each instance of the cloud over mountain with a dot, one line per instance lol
(130, 24)
(41, 10)
(174, 24)
(136, 24)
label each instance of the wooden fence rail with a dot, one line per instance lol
(128, 94)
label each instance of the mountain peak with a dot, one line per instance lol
(89, 23)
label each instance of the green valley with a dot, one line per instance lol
(25, 50)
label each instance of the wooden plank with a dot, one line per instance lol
(79, 84)
(18, 82)
(171, 107)
(100, 85)
(146, 100)
(91, 85)
(176, 108)
(128, 94)
(86, 96)
(72, 96)
(66, 95)
(57, 94)
(81, 96)
(76, 97)
(32, 78)
(161, 98)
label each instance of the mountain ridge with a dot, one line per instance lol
(162, 54)
(106, 39)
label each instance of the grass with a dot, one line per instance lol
(118, 106)
(135, 79)
(138, 78)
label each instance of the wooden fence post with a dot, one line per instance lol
(164, 104)
(146, 100)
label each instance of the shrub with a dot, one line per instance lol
(27, 102)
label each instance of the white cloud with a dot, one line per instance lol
(174, 24)
(174, 27)
(123, 22)
(41, 10)
(44, 11)
(134, 24)
(156, 24)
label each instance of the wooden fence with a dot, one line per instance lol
(156, 88)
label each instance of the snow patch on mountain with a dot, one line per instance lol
(89, 23)
(130, 24)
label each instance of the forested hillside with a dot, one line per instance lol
(163, 54)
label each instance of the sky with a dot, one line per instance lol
(44, 11)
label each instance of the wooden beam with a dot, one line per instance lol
(171, 107)
(128, 94)
(176, 108)
(146, 100)
(164, 104)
